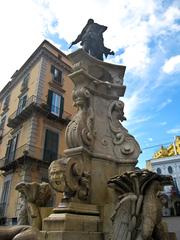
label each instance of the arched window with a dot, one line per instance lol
(170, 170)
(158, 171)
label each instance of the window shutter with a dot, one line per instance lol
(24, 101)
(51, 146)
(11, 149)
(61, 107)
(52, 69)
(49, 99)
(5, 192)
(60, 77)
(8, 150)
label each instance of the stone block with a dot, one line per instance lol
(73, 235)
(71, 222)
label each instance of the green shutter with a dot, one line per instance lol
(61, 107)
(5, 192)
(8, 150)
(51, 146)
(49, 99)
(60, 77)
(52, 69)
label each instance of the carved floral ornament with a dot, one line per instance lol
(80, 130)
(67, 175)
(137, 215)
(123, 142)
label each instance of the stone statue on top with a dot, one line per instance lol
(92, 41)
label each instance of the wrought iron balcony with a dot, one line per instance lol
(21, 154)
(35, 104)
(32, 104)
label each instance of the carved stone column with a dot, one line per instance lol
(96, 134)
(99, 147)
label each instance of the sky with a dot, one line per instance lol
(145, 36)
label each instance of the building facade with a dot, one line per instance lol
(35, 108)
(169, 166)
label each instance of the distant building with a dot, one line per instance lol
(35, 108)
(171, 150)
(168, 166)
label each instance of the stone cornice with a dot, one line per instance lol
(166, 160)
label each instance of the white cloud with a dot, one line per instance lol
(131, 25)
(174, 131)
(172, 65)
(163, 123)
(21, 33)
(164, 104)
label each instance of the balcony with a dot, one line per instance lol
(32, 104)
(35, 104)
(28, 153)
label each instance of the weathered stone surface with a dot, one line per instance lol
(69, 235)
(34, 195)
(138, 214)
(99, 147)
(19, 233)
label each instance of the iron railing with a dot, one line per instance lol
(41, 154)
(32, 101)
(36, 103)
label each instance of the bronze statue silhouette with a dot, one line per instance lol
(92, 41)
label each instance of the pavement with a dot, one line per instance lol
(173, 224)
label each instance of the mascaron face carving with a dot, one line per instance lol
(67, 175)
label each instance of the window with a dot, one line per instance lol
(6, 102)
(11, 149)
(170, 170)
(56, 103)
(51, 146)
(2, 122)
(4, 197)
(22, 103)
(25, 82)
(158, 171)
(56, 74)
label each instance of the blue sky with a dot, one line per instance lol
(145, 35)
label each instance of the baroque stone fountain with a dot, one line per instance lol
(105, 197)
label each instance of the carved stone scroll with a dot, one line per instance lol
(124, 143)
(80, 130)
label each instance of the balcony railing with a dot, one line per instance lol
(35, 103)
(28, 151)
(2, 209)
(32, 103)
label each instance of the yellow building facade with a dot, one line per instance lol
(172, 150)
(35, 108)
